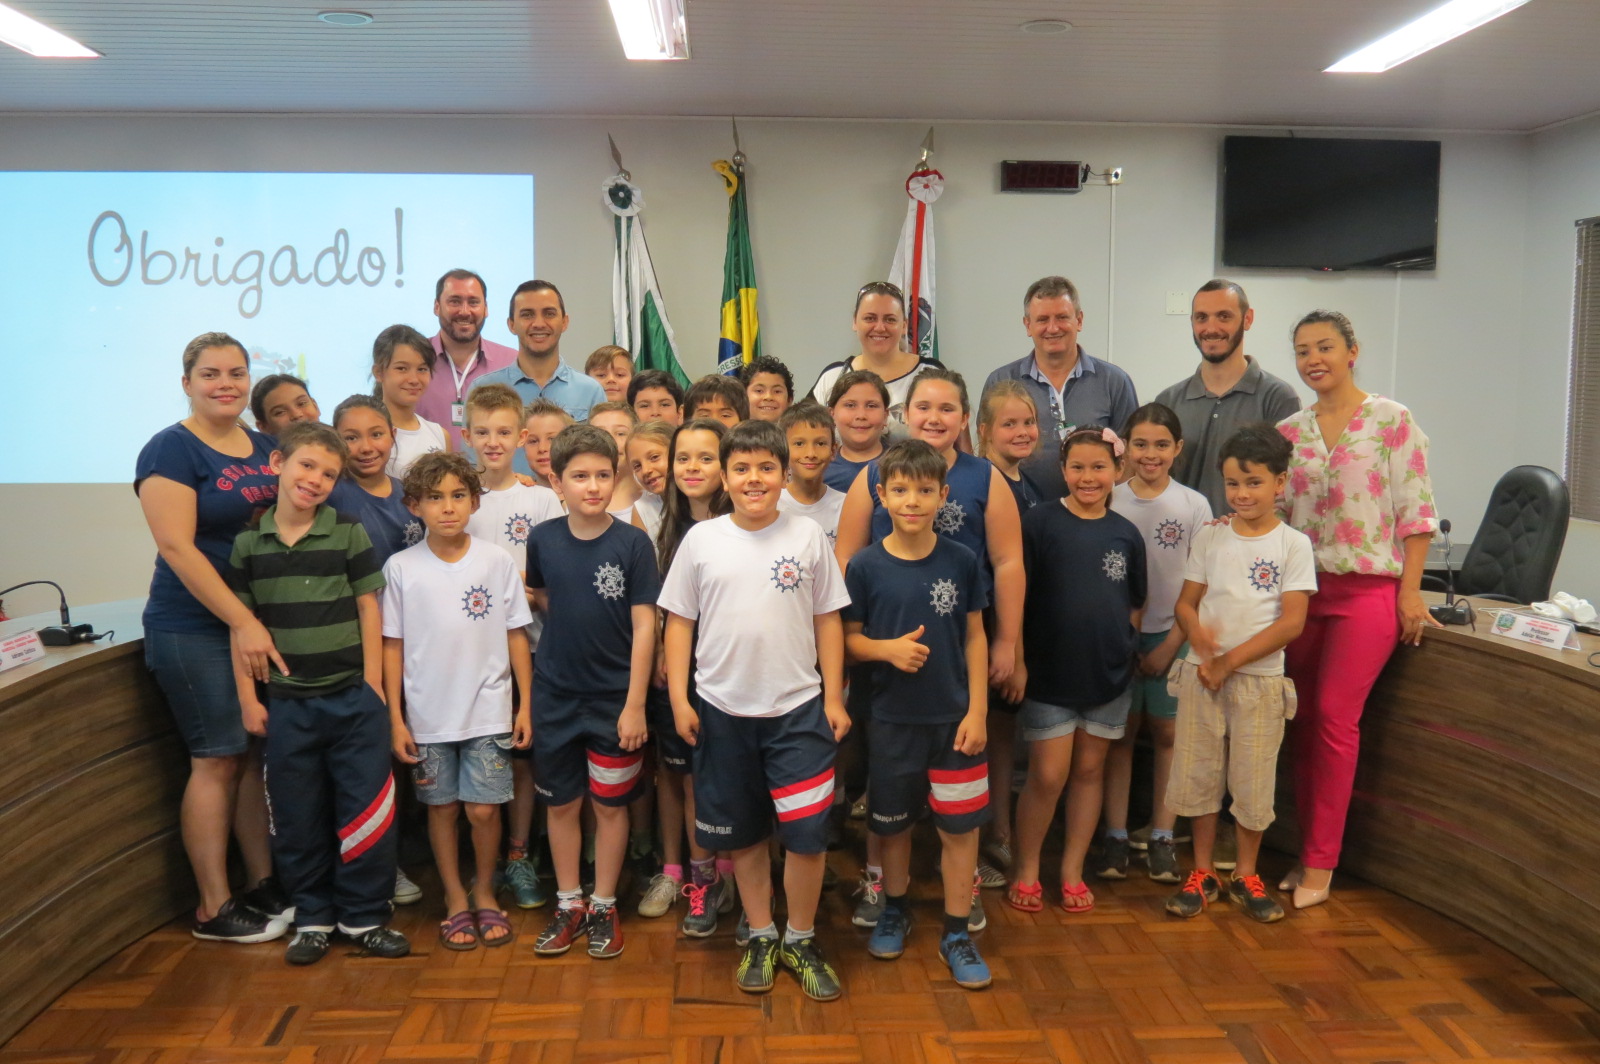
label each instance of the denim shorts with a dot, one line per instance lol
(195, 672)
(474, 770)
(1042, 720)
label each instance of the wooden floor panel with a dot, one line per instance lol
(1368, 978)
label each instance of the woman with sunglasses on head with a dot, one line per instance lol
(880, 327)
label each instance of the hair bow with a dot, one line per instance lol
(1114, 440)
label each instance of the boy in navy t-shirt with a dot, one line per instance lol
(916, 616)
(596, 578)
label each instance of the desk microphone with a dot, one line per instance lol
(66, 633)
(1452, 612)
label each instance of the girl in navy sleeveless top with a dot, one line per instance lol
(367, 492)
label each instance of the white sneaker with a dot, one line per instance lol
(405, 891)
(659, 896)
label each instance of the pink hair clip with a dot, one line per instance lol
(1114, 440)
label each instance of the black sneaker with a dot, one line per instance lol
(1250, 894)
(307, 947)
(817, 977)
(604, 929)
(757, 965)
(237, 922)
(268, 898)
(1162, 856)
(383, 942)
(1113, 860)
(1198, 891)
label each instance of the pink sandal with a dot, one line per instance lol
(1069, 894)
(1026, 897)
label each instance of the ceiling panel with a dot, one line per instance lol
(1239, 62)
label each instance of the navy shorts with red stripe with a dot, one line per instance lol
(749, 769)
(575, 749)
(916, 767)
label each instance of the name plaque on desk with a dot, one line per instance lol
(1540, 631)
(19, 650)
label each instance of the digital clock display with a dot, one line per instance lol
(1040, 175)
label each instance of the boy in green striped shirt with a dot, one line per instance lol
(312, 578)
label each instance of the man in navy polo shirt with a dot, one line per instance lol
(538, 318)
(1069, 388)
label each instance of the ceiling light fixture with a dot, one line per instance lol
(651, 29)
(345, 18)
(37, 39)
(1430, 31)
(1046, 27)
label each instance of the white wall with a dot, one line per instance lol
(1563, 186)
(826, 205)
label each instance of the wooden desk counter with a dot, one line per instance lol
(89, 792)
(1478, 794)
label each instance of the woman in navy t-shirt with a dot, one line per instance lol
(199, 481)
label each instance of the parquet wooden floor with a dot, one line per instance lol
(1366, 978)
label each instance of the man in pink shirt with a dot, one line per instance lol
(461, 304)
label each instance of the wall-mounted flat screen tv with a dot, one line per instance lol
(1330, 203)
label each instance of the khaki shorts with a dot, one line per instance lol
(1227, 741)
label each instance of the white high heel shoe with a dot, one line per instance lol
(1305, 897)
(1291, 879)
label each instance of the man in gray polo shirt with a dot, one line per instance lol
(1229, 389)
(1068, 387)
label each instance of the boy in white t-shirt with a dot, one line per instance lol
(507, 511)
(808, 428)
(1244, 598)
(766, 592)
(454, 637)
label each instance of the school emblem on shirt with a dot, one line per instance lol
(949, 519)
(412, 533)
(1263, 574)
(517, 526)
(1115, 565)
(786, 574)
(610, 581)
(476, 602)
(1169, 533)
(944, 597)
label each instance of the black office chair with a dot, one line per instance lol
(1514, 555)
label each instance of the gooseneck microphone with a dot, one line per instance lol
(66, 633)
(1452, 612)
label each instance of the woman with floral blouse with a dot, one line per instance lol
(1358, 487)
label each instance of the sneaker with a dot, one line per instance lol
(966, 965)
(757, 966)
(1225, 855)
(523, 878)
(1140, 839)
(659, 896)
(704, 901)
(405, 891)
(604, 929)
(564, 928)
(1198, 891)
(237, 922)
(870, 907)
(1250, 894)
(1113, 860)
(741, 930)
(817, 977)
(1163, 860)
(858, 810)
(977, 920)
(888, 939)
(307, 947)
(268, 899)
(990, 876)
(382, 942)
(998, 851)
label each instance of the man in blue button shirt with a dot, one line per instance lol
(538, 318)
(1069, 388)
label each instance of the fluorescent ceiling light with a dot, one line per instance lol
(651, 29)
(37, 39)
(1430, 31)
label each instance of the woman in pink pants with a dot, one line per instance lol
(1359, 487)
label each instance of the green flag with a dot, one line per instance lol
(639, 315)
(741, 328)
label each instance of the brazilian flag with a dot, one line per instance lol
(741, 328)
